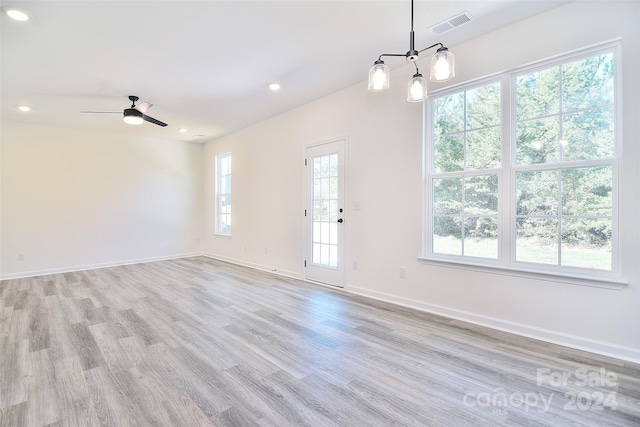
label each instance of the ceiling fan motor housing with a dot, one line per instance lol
(132, 112)
(133, 116)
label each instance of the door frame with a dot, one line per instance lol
(306, 224)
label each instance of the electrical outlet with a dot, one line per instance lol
(20, 257)
(403, 273)
(266, 251)
(355, 264)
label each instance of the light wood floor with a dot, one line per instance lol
(197, 342)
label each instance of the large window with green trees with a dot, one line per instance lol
(522, 168)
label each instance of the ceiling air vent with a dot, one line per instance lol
(452, 23)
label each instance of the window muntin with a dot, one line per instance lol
(556, 209)
(223, 194)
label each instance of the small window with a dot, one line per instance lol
(223, 194)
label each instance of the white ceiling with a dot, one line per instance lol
(206, 65)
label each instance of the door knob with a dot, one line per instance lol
(341, 220)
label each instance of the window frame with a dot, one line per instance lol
(219, 194)
(505, 263)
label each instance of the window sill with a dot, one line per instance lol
(222, 234)
(549, 276)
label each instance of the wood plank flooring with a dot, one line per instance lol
(198, 342)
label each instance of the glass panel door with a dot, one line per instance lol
(325, 216)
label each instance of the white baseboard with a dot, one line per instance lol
(599, 347)
(255, 266)
(73, 268)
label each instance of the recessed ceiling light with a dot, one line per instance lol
(24, 108)
(274, 86)
(183, 130)
(15, 14)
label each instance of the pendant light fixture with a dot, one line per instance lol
(442, 69)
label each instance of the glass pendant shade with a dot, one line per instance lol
(379, 76)
(417, 89)
(442, 66)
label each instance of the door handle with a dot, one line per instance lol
(340, 220)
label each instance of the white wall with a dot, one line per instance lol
(384, 133)
(75, 199)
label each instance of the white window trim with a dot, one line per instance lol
(506, 264)
(218, 194)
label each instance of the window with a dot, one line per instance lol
(467, 153)
(223, 194)
(522, 169)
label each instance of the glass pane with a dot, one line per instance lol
(537, 141)
(324, 232)
(225, 165)
(333, 188)
(324, 168)
(481, 195)
(333, 165)
(333, 233)
(586, 243)
(537, 94)
(333, 256)
(326, 205)
(481, 237)
(448, 114)
(588, 134)
(333, 210)
(316, 232)
(324, 254)
(483, 106)
(537, 193)
(587, 191)
(587, 83)
(537, 240)
(225, 223)
(317, 189)
(447, 196)
(317, 210)
(447, 235)
(225, 204)
(326, 188)
(225, 184)
(483, 148)
(316, 253)
(449, 153)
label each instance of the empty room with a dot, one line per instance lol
(320, 213)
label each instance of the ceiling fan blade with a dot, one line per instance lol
(101, 112)
(143, 106)
(152, 120)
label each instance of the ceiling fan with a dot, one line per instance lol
(133, 115)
